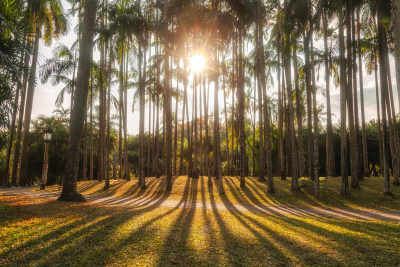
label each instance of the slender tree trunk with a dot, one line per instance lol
(330, 150)
(363, 131)
(310, 139)
(382, 45)
(183, 123)
(396, 38)
(298, 113)
(353, 140)
(107, 150)
(281, 156)
(91, 130)
(315, 115)
(241, 107)
(6, 181)
(121, 114)
(291, 135)
(167, 100)
(23, 173)
(142, 116)
(343, 99)
(127, 173)
(69, 191)
(228, 161)
(176, 128)
(17, 150)
(393, 123)
(378, 111)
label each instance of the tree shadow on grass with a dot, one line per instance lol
(293, 252)
(176, 249)
(236, 247)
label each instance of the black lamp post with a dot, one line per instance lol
(47, 138)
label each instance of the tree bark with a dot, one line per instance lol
(69, 190)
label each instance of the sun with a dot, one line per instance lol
(197, 63)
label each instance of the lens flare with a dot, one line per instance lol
(197, 63)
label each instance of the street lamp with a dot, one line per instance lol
(47, 138)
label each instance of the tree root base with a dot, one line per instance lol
(72, 197)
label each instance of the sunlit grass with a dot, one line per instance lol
(255, 194)
(43, 232)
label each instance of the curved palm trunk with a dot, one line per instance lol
(69, 191)
(6, 181)
(23, 175)
(17, 150)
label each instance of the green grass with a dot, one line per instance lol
(369, 196)
(43, 232)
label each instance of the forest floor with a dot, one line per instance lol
(194, 225)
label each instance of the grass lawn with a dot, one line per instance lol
(47, 232)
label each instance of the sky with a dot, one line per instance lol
(46, 94)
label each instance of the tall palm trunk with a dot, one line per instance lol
(396, 37)
(167, 100)
(17, 150)
(142, 116)
(181, 172)
(149, 129)
(291, 135)
(101, 153)
(69, 190)
(176, 128)
(6, 181)
(127, 174)
(91, 130)
(315, 114)
(217, 145)
(378, 111)
(228, 161)
(241, 107)
(121, 113)
(352, 134)
(382, 46)
(330, 150)
(360, 167)
(108, 116)
(343, 99)
(281, 157)
(23, 174)
(310, 139)
(395, 144)
(360, 70)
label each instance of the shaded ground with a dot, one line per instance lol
(194, 225)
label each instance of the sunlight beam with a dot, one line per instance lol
(197, 63)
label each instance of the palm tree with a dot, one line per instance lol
(69, 190)
(59, 68)
(47, 16)
(396, 38)
(167, 104)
